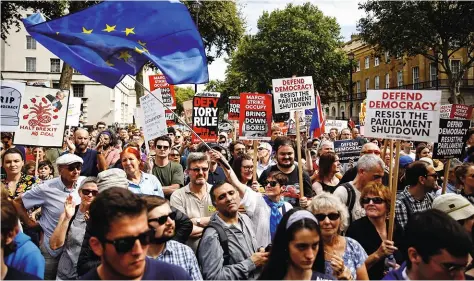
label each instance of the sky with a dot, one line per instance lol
(346, 13)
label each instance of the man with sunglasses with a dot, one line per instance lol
(264, 157)
(417, 197)
(169, 173)
(121, 236)
(50, 196)
(161, 219)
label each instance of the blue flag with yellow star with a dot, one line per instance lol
(114, 38)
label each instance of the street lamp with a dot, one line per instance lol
(196, 6)
(351, 58)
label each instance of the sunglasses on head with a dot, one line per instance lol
(331, 216)
(162, 220)
(74, 166)
(375, 200)
(88, 191)
(125, 244)
(163, 147)
(271, 183)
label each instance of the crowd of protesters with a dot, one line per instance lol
(108, 206)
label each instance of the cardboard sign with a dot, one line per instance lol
(10, 104)
(154, 122)
(292, 123)
(42, 117)
(293, 94)
(188, 111)
(167, 90)
(256, 116)
(338, 124)
(347, 150)
(206, 116)
(169, 117)
(455, 111)
(74, 111)
(403, 114)
(452, 138)
(234, 108)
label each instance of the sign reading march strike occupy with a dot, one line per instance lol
(234, 108)
(403, 114)
(456, 111)
(256, 116)
(206, 116)
(293, 94)
(347, 150)
(452, 138)
(167, 90)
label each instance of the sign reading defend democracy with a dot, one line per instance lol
(293, 94)
(206, 116)
(403, 114)
(347, 150)
(452, 138)
(256, 116)
(167, 90)
(234, 108)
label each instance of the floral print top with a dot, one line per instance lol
(25, 183)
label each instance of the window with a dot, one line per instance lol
(358, 66)
(30, 43)
(31, 64)
(377, 82)
(55, 65)
(387, 81)
(433, 74)
(387, 56)
(55, 85)
(78, 90)
(367, 84)
(399, 78)
(358, 87)
(376, 61)
(455, 67)
(367, 62)
(416, 77)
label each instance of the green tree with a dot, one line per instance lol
(182, 94)
(297, 40)
(433, 29)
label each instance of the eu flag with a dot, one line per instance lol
(114, 38)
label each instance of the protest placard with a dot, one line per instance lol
(295, 93)
(73, 111)
(338, 124)
(347, 150)
(234, 108)
(455, 111)
(167, 91)
(42, 117)
(206, 116)
(154, 122)
(403, 114)
(10, 104)
(452, 138)
(169, 117)
(188, 111)
(255, 116)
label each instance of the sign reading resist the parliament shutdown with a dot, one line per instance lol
(206, 116)
(403, 114)
(452, 138)
(234, 108)
(256, 116)
(293, 94)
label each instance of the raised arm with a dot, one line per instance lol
(59, 235)
(229, 173)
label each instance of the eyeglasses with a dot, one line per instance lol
(88, 191)
(331, 216)
(197, 170)
(435, 176)
(247, 168)
(375, 200)
(74, 166)
(222, 142)
(376, 152)
(271, 183)
(125, 244)
(162, 147)
(162, 220)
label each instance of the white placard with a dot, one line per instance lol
(73, 111)
(338, 124)
(10, 103)
(403, 115)
(295, 93)
(154, 123)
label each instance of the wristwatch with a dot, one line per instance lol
(198, 222)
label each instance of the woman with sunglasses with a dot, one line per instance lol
(345, 257)
(139, 182)
(465, 178)
(326, 179)
(45, 170)
(243, 168)
(371, 231)
(297, 252)
(174, 155)
(71, 229)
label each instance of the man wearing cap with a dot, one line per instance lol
(457, 207)
(264, 157)
(50, 196)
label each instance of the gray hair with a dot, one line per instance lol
(86, 181)
(325, 142)
(195, 157)
(369, 162)
(325, 201)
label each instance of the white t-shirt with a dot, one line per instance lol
(341, 192)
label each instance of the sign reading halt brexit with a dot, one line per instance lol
(206, 116)
(293, 94)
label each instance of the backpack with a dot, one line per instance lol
(351, 199)
(223, 240)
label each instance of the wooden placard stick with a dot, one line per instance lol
(298, 148)
(255, 155)
(394, 179)
(446, 175)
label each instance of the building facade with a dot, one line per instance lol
(394, 72)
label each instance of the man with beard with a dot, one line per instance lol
(285, 156)
(417, 197)
(243, 258)
(94, 161)
(162, 220)
(123, 136)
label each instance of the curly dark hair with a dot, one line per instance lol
(112, 136)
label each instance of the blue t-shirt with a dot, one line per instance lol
(154, 270)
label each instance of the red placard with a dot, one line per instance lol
(234, 108)
(167, 91)
(255, 116)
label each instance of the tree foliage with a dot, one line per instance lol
(434, 29)
(297, 40)
(182, 94)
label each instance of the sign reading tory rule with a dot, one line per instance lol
(295, 93)
(403, 114)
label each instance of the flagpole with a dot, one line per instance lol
(179, 119)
